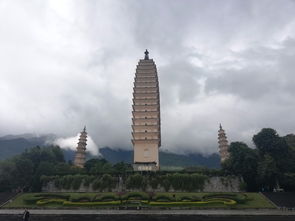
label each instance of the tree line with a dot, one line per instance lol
(267, 167)
(23, 172)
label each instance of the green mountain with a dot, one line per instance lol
(167, 159)
(12, 145)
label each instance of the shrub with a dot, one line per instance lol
(165, 183)
(154, 182)
(108, 198)
(187, 182)
(96, 198)
(66, 181)
(186, 198)
(90, 204)
(32, 199)
(49, 201)
(136, 181)
(96, 184)
(88, 180)
(53, 195)
(163, 198)
(238, 197)
(80, 198)
(46, 179)
(107, 182)
(199, 203)
(136, 195)
(57, 182)
(77, 181)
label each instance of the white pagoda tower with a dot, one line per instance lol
(81, 150)
(146, 124)
(223, 144)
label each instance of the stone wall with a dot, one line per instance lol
(213, 184)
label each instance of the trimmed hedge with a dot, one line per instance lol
(187, 198)
(37, 197)
(163, 198)
(215, 201)
(136, 195)
(136, 181)
(89, 204)
(178, 181)
(32, 199)
(83, 197)
(238, 197)
(188, 182)
(53, 195)
(49, 201)
(108, 198)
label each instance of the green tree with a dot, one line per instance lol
(267, 172)
(136, 181)
(7, 169)
(288, 181)
(23, 173)
(290, 139)
(242, 162)
(44, 168)
(122, 167)
(268, 142)
(98, 166)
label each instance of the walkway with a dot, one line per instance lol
(152, 212)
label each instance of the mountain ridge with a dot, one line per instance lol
(11, 145)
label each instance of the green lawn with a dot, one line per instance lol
(112, 200)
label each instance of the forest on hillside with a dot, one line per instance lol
(269, 166)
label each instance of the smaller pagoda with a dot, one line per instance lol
(223, 144)
(81, 150)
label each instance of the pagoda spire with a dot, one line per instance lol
(146, 55)
(223, 144)
(81, 150)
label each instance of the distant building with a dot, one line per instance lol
(223, 144)
(146, 124)
(81, 150)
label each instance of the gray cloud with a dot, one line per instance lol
(65, 64)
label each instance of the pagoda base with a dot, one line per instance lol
(145, 166)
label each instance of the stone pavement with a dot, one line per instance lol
(258, 212)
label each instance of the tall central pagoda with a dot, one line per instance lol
(146, 124)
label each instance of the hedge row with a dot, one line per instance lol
(118, 202)
(36, 197)
(238, 197)
(176, 181)
(213, 201)
(87, 204)
(134, 197)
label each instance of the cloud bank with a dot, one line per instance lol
(66, 64)
(71, 144)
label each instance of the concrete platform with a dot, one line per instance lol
(150, 215)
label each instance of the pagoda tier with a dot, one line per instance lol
(144, 108)
(223, 144)
(146, 126)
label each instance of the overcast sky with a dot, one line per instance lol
(66, 64)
